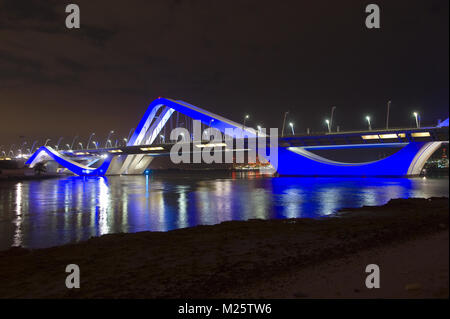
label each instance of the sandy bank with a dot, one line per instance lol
(240, 259)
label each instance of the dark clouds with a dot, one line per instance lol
(231, 57)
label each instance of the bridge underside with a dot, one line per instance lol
(408, 161)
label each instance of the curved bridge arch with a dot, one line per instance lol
(151, 125)
(48, 153)
(146, 133)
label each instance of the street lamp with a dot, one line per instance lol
(328, 125)
(246, 118)
(387, 115)
(292, 127)
(107, 139)
(95, 144)
(417, 116)
(89, 140)
(46, 141)
(368, 122)
(162, 139)
(68, 147)
(284, 121)
(81, 144)
(331, 118)
(57, 144)
(73, 142)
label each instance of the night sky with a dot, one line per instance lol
(230, 57)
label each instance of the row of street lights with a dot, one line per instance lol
(69, 147)
(329, 122)
(369, 123)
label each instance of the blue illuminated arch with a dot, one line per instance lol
(46, 152)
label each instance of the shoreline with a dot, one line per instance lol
(224, 259)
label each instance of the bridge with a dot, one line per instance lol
(295, 155)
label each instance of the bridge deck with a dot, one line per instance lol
(373, 137)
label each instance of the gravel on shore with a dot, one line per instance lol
(233, 259)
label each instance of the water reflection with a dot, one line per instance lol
(52, 212)
(18, 220)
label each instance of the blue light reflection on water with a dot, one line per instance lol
(56, 211)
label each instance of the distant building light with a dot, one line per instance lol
(370, 137)
(81, 153)
(420, 134)
(115, 151)
(154, 148)
(402, 135)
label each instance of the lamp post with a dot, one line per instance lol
(292, 127)
(328, 125)
(46, 141)
(95, 144)
(68, 147)
(73, 142)
(107, 139)
(246, 117)
(59, 141)
(81, 145)
(387, 115)
(89, 140)
(259, 129)
(331, 118)
(368, 122)
(284, 122)
(417, 116)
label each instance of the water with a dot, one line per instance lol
(43, 213)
